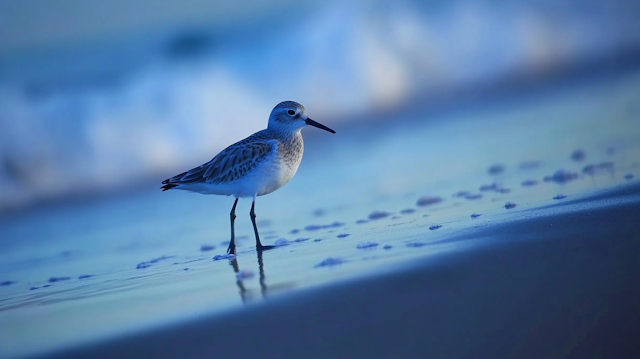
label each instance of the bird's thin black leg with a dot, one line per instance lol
(259, 245)
(232, 216)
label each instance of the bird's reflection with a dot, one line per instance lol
(244, 293)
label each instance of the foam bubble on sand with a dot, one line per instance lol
(6, 283)
(475, 215)
(329, 262)
(58, 279)
(378, 214)
(148, 264)
(364, 245)
(281, 242)
(219, 257)
(298, 240)
(561, 176)
(34, 288)
(407, 211)
(343, 235)
(387, 246)
(362, 221)
(488, 187)
(206, 248)
(85, 276)
(509, 205)
(161, 258)
(473, 196)
(628, 176)
(428, 200)
(294, 231)
(316, 227)
(318, 212)
(602, 167)
(528, 183)
(416, 244)
(435, 226)
(578, 155)
(317, 240)
(559, 196)
(496, 169)
(244, 274)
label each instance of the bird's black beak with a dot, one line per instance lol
(313, 123)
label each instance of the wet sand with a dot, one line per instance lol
(560, 282)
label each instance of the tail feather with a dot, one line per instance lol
(175, 179)
(167, 187)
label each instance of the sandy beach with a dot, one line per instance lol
(550, 286)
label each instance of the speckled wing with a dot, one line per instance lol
(235, 162)
(232, 163)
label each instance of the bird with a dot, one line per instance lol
(254, 166)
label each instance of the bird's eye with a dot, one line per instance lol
(291, 112)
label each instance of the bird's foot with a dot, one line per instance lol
(231, 249)
(261, 248)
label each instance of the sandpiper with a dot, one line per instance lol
(255, 166)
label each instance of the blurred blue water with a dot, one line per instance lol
(91, 101)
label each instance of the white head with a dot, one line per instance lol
(291, 116)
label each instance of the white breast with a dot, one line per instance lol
(275, 174)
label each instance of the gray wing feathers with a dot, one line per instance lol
(193, 176)
(235, 162)
(230, 164)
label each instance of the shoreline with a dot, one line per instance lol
(566, 287)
